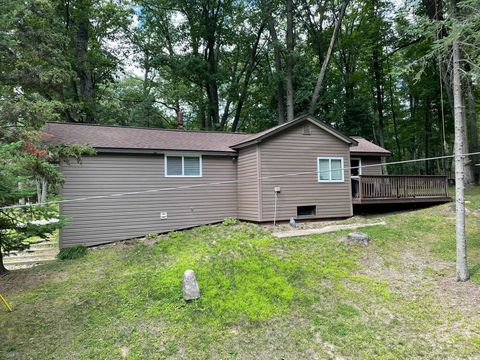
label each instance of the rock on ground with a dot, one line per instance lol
(190, 287)
(357, 238)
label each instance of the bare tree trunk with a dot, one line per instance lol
(87, 88)
(328, 57)
(22, 200)
(473, 131)
(3, 270)
(378, 94)
(39, 190)
(42, 187)
(246, 81)
(277, 62)
(44, 190)
(428, 130)
(290, 97)
(394, 118)
(210, 15)
(461, 267)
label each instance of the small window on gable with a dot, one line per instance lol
(330, 169)
(183, 166)
(306, 129)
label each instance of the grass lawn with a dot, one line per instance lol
(262, 297)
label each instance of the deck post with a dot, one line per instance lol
(446, 186)
(360, 190)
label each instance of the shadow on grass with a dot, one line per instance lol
(378, 209)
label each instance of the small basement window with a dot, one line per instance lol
(183, 165)
(310, 210)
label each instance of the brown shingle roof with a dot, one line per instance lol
(117, 137)
(366, 147)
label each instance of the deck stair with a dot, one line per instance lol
(38, 253)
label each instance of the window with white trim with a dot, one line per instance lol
(330, 169)
(183, 165)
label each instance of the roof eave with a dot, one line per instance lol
(362, 153)
(160, 151)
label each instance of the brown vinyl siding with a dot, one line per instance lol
(293, 152)
(248, 184)
(99, 221)
(370, 160)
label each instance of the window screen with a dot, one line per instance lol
(324, 168)
(174, 166)
(191, 166)
(336, 165)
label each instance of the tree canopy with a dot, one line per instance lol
(384, 68)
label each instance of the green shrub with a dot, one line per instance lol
(229, 221)
(151, 236)
(72, 252)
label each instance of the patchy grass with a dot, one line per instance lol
(262, 297)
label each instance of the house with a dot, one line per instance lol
(177, 179)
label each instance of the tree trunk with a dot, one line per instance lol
(277, 62)
(22, 200)
(42, 187)
(328, 57)
(461, 266)
(473, 131)
(87, 91)
(212, 88)
(378, 94)
(210, 15)
(246, 81)
(290, 97)
(394, 118)
(201, 115)
(441, 126)
(428, 130)
(3, 270)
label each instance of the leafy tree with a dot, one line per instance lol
(21, 165)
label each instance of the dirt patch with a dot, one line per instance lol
(419, 274)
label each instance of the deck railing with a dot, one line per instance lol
(399, 186)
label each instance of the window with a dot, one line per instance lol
(356, 167)
(309, 210)
(185, 165)
(330, 169)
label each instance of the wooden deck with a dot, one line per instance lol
(391, 189)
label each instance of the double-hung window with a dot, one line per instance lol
(183, 165)
(330, 169)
